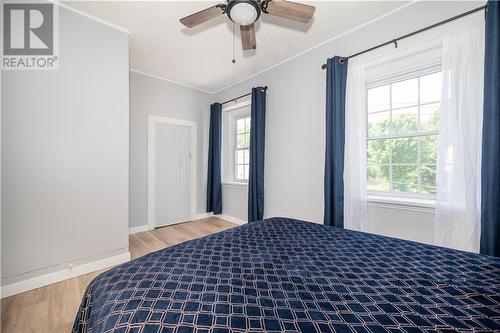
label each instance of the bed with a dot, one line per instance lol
(282, 274)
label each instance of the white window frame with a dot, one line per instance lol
(230, 115)
(235, 148)
(396, 196)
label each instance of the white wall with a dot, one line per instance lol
(149, 95)
(411, 223)
(235, 201)
(65, 154)
(295, 129)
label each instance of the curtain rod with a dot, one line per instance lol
(237, 98)
(395, 41)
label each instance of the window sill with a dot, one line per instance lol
(420, 204)
(235, 185)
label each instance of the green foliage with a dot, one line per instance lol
(242, 140)
(404, 153)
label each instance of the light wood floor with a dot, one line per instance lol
(53, 308)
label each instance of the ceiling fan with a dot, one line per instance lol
(246, 12)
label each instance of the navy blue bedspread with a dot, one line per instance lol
(282, 274)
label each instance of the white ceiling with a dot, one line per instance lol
(201, 57)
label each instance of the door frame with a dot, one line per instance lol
(153, 121)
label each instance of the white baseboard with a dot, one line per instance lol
(235, 220)
(231, 219)
(202, 216)
(68, 273)
(137, 229)
(221, 216)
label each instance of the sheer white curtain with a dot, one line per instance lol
(457, 222)
(355, 217)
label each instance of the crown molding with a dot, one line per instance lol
(171, 81)
(111, 25)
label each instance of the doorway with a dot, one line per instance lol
(171, 171)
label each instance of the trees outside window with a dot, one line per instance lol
(402, 129)
(241, 150)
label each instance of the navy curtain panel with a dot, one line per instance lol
(336, 76)
(214, 188)
(490, 164)
(257, 154)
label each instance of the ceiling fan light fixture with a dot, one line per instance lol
(243, 12)
(246, 12)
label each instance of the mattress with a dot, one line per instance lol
(287, 275)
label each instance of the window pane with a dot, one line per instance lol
(240, 157)
(241, 141)
(379, 99)
(428, 149)
(246, 167)
(404, 150)
(429, 117)
(430, 88)
(240, 172)
(404, 113)
(404, 178)
(240, 126)
(405, 120)
(246, 159)
(428, 178)
(405, 93)
(379, 123)
(378, 177)
(378, 152)
(241, 133)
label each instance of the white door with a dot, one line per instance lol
(173, 173)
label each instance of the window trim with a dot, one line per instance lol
(234, 133)
(229, 114)
(403, 76)
(424, 205)
(393, 196)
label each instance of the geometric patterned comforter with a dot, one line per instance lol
(282, 274)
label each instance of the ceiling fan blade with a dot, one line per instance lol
(291, 10)
(202, 16)
(248, 37)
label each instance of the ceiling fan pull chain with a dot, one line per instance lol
(234, 60)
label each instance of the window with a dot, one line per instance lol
(236, 143)
(402, 130)
(241, 149)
